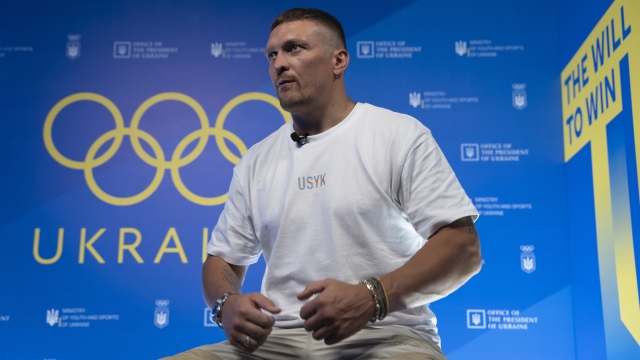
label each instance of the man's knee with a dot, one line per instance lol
(194, 354)
(433, 352)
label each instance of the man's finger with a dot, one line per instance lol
(316, 322)
(257, 333)
(308, 310)
(239, 341)
(333, 339)
(260, 319)
(313, 288)
(323, 332)
(265, 303)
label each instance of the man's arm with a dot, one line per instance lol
(240, 314)
(219, 277)
(443, 264)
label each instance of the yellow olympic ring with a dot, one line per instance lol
(135, 134)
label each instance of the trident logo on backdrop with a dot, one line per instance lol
(519, 96)
(157, 159)
(216, 49)
(476, 319)
(470, 152)
(527, 259)
(73, 46)
(161, 314)
(122, 49)
(415, 99)
(52, 317)
(365, 49)
(461, 47)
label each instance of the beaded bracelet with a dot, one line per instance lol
(384, 297)
(380, 297)
(369, 286)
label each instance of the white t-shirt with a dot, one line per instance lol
(358, 200)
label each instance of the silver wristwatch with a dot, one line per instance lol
(216, 312)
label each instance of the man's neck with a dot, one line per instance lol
(317, 119)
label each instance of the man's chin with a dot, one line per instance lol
(291, 105)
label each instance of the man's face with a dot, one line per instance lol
(300, 63)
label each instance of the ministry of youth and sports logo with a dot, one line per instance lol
(53, 316)
(461, 48)
(415, 99)
(216, 49)
(161, 314)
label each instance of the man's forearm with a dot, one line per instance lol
(442, 265)
(218, 277)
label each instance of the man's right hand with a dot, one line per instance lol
(241, 317)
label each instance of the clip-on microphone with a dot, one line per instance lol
(300, 139)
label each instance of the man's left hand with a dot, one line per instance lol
(339, 311)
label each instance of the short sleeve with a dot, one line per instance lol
(430, 193)
(233, 239)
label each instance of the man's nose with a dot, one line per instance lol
(280, 64)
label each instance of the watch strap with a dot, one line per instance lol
(217, 315)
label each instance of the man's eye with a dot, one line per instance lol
(295, 47)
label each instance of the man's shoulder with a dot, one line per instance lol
(393, 122)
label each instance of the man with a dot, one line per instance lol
(354, 197)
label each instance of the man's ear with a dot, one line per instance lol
(340, 60)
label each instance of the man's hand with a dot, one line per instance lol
(339, 311)
(241, 317)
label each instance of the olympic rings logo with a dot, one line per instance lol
(156, 160)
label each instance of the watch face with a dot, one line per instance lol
(215, 310)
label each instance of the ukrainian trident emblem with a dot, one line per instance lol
(73, 46)
(461, 47)
(527, 259)
(52, 316)
(161, 314)
(519, 96)
(216, 49)
(415, 99)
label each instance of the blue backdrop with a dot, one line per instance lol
(121, 122)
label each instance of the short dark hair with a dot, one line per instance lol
(318, 16)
